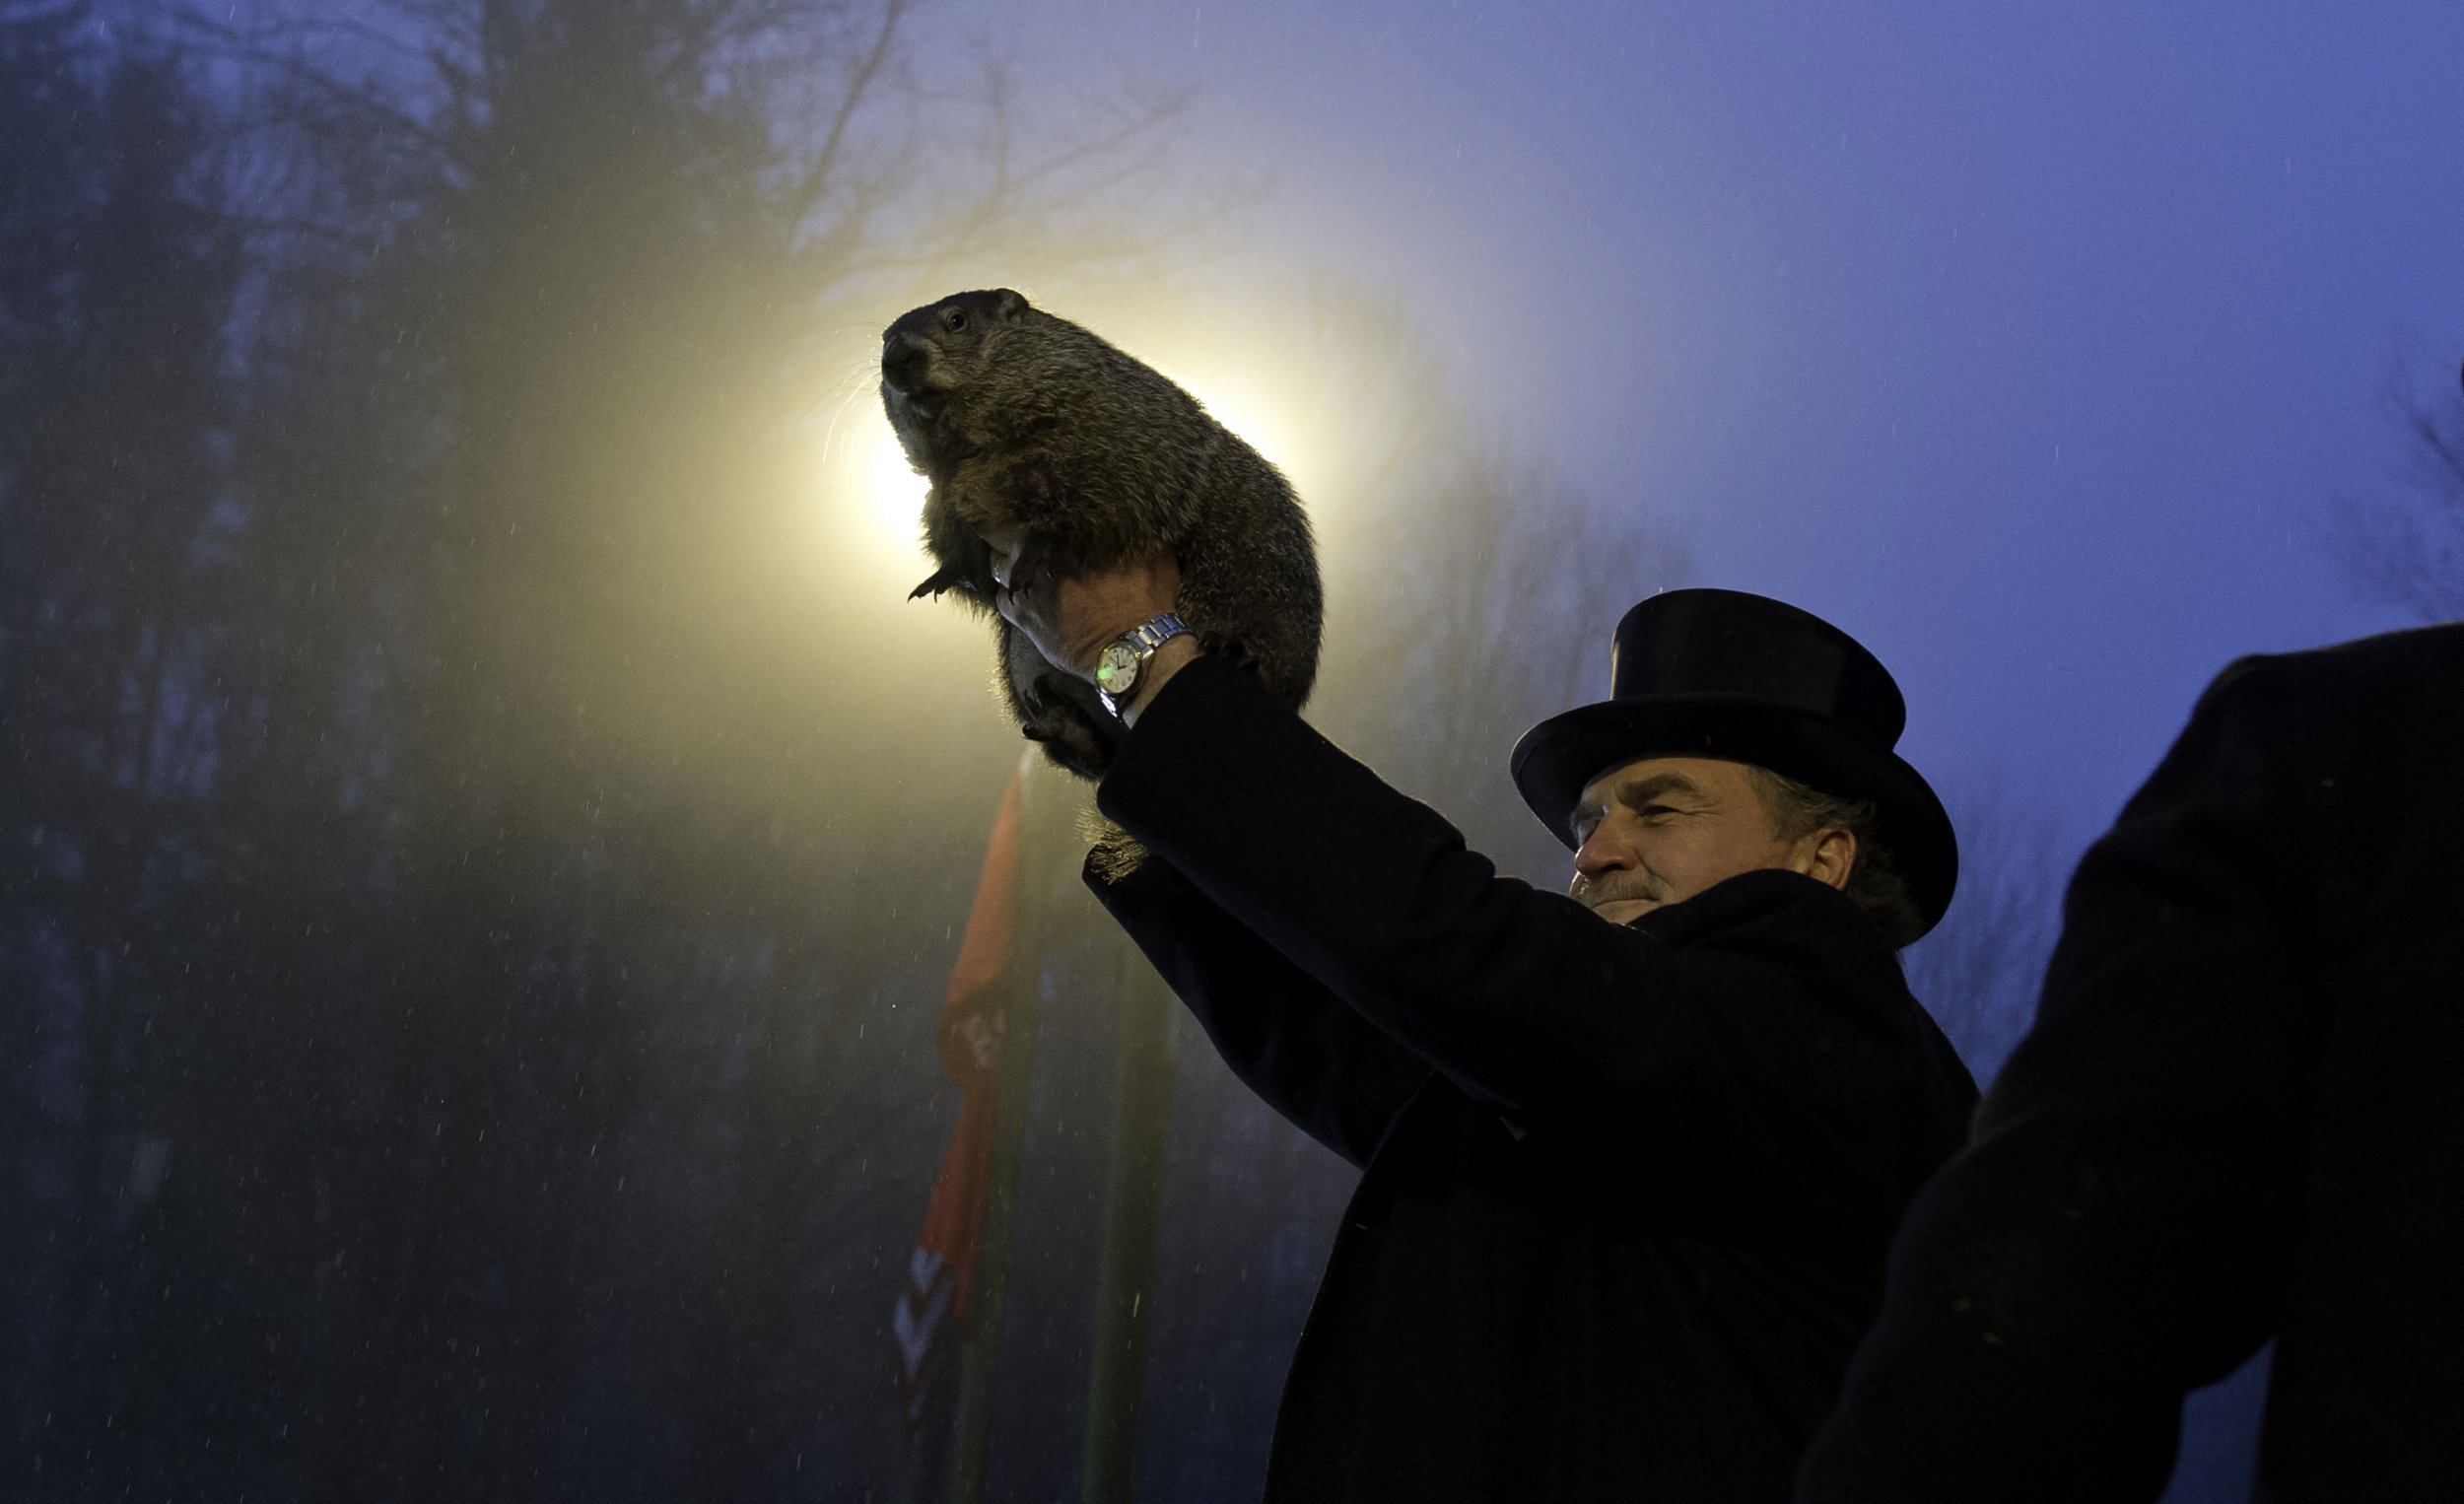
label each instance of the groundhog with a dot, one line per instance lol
(1023, 420)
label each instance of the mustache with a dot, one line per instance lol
(1610, 887)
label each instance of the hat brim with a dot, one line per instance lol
(1558, 758)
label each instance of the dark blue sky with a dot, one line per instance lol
(2027, 342)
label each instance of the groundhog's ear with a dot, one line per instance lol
(1008, 304)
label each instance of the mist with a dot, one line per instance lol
(491, 836)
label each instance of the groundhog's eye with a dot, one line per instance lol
(954, 320)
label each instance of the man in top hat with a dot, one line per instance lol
(1630, 1157)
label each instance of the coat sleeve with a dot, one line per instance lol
(1719, 1050)
(2110, 1237)
(1315, 1062)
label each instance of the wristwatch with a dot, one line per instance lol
(1123, 659)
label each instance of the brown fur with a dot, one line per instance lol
(1020, 418)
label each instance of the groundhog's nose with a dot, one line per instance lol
(903, 362)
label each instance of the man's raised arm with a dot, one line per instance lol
(1306, 1055)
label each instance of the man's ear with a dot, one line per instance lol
(1834, 856)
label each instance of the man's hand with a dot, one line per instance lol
(1070, 619)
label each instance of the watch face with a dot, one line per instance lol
(1117, 669)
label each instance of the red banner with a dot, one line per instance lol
(942, 1266)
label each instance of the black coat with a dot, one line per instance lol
(1627, 1189)
(2241, 1113)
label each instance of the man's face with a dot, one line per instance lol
(1660, 830)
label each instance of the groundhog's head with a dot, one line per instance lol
(931, 355)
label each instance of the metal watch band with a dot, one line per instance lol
(1141, 640)
(1153, 632)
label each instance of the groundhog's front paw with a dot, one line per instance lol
(954, 581)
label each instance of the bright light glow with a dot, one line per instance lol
(867, 523)
(1238, 409)
(893, 492)
(1245, 391)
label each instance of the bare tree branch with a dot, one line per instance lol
(237, 44)
(2404, 545)
(1978, 973)
(815, 182)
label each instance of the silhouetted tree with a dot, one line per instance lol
(2404, 545)
(118, 280)
(1979, 972)
(437, 961)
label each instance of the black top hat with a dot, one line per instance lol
(1721, 673)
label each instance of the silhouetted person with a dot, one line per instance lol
(2241, 1113)
(1631, 1158)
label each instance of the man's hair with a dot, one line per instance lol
(1875, 883)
